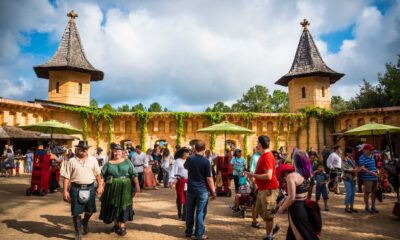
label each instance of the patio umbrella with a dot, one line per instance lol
(51, 127)
(225, 127)
(374, 129)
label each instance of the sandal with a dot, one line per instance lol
(255, 225)
(348, 210)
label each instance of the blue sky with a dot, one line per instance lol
(189, 54)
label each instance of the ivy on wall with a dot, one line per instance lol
(214, 118)
(143, 119)
(247, 118)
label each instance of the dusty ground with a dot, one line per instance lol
(35, 217)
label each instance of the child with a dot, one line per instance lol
(322, 180)
(238, 163)
(17, 168)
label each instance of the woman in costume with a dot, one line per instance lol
(121, 184)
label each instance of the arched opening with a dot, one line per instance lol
(172, 126)
(117, 126)
(35, 118)
(161, 127)
(260, 128)
(373, 120)
(80, 88)
(128, 127)
(195, 126)
(24, 119)
(13, 116)
(270, 127)
(104, 126)
(323, 91)
(185, 127)
(303, 92)
(387, 120)
(348, 123)
(138, 125)
(360, 122)
(150, 127)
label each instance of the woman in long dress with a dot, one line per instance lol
(149, 179)
(121, 184)
(297, 188)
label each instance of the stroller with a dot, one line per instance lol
(246, 197)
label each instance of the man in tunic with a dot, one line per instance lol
(138, 162)
(79, 187)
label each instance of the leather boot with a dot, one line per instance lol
(179, 207)
(77, 226)
(85, 223)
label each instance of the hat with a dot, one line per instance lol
(83, 144)
(368, 147)
(118, 147)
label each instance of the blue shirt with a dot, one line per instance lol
(199, 169)
(238, 165)
(29, 157)
(368, 163)
(320, 177)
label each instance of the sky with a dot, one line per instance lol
(189, 54)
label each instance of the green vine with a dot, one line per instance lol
(180, 120)
(214, 117)
(247, 118)
(143, 119)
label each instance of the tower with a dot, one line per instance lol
(69, 72)
(309, 78)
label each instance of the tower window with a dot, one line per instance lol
(80, 88)
(323, 91)
(57, 87)
(303, 92)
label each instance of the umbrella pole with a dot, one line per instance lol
(225, 142)
(390, 145)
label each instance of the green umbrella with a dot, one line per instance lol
(52, 126)
(372, 129)
(225, 128)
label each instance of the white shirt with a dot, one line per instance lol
(167, 162)
(178, 170)
(334, 161)
(82, 172)
(138, 161)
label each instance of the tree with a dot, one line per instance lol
(94, 103)
(338, 104)
(390, 83)
(123, 108)
(369, 97)
(256, 99)
(219, 107)
(138, 107)
(155, 107)
(279, 101)
(108, 106)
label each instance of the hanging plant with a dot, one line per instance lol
(180, 121)
(214, 118)
(247, 118)
(143, 118)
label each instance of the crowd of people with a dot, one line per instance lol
(276, 182)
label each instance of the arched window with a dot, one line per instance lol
(117, 126)
(57, 87)
(172, 126)
(161, 127)
(303, 92)
(36, 118)
(104, 126)
(80, 87)
(323, 91)
(260, 126)
(387, 120)
(360, 122)
(195, 126)
(270, 127)
(348, 123)
(138, 125)
(150, 127)
(24, 119)
(373, 120)
(128, 127)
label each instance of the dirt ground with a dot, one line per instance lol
(48, 217)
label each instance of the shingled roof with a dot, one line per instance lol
(308, 61)
(70, 55)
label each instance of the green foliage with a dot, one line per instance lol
(123, 108)
(338, 104)
(279, 101)
(369, 97)
(390, 83)
(155, 107)
(214, 117)
(108, 107)
(138, 107)
(219, 107)
(143, 118)
(180, 119)
(256, 99)
(94, 103)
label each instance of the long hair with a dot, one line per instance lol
(302, 163)
(180, 152)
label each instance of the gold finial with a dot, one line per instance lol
(72, 15)
(305, 23)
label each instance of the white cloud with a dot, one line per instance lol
(190, 54)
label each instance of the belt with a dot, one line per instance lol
(139, 165)
(82, 186)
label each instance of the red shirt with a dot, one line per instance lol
(266, 162)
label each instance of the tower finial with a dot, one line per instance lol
(305, 23)
(72, 15)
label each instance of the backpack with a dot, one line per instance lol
(314, 215)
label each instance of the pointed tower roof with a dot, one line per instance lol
(308, 61)
(69, 55)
